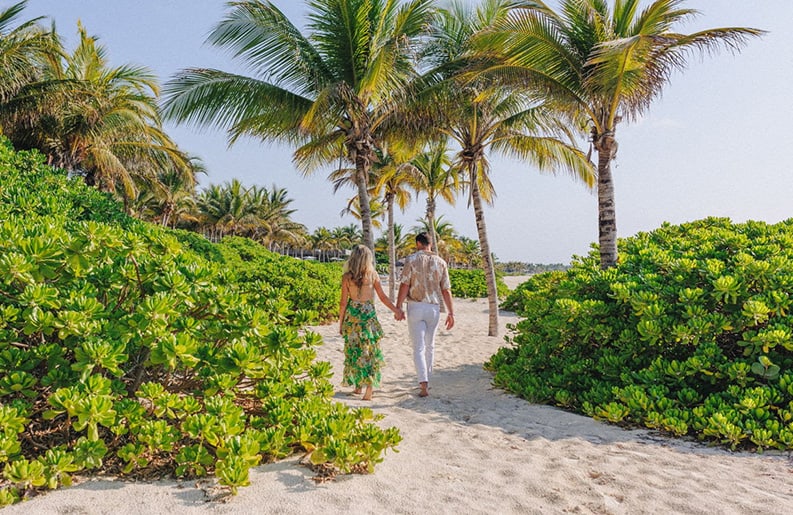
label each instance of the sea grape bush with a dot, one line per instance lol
(312, 288)
(471, 284)
(691, 334)
(122, 350)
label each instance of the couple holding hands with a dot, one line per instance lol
(424, 283)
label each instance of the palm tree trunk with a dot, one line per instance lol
(431, 223)
(607, 214)
(166, 216)
(361, 180)
(487, 260)
(391, 250)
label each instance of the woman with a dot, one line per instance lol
(358, 321)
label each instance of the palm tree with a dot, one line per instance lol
(326, 92)
(93, 119)
(226, 209)
(273, 225)
(482, 115)
(392, 179)
(468, 251)
(376, 209)
(403, 242)
(322, 240)
(433, 174)
(609, 64)
(22, 49)
(346, 237)
(171, 193)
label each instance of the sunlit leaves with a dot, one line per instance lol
(145, 353)
(690, 334)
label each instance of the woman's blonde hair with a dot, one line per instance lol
(360, 266)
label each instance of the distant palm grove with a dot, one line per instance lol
(398, 101)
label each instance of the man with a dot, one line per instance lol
(425, 284)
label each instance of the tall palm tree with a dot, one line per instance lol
(391, 175)
(607, 63)
(482, 115)
(433, 174)
(326, 92)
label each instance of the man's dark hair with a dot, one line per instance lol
(422, 238)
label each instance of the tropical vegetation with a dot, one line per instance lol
(483, 115)
(92, 119)
(689, 334)
(326, 91)
(122, 349)
(179, 346)
(604, 63)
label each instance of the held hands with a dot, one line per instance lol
(399, 314)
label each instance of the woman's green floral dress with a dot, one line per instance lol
(362, 354)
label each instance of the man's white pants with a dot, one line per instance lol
(422, 323)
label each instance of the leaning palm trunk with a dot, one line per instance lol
(607, 214)
(487, 261)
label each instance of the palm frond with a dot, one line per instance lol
(239, 104)
(272, 47)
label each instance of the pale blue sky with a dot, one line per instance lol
(714, 145)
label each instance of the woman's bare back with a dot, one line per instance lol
(364, 293)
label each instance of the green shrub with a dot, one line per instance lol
(310, 287)
(514, 300)
(123, 350)
(472, 284)
(689, 334)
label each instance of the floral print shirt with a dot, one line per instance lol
(428, 275)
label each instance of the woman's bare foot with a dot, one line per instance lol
(357, 391)
(424, 389)
(368, 395)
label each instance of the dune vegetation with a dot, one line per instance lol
(123, 349)
(690, 334)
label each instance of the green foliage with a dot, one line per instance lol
(304, 286)
(468, 284)
(131, 353)
(521, 268)
(689, 334)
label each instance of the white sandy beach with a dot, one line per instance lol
(470, 448)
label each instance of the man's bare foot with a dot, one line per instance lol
(423, 393)
(368, 395)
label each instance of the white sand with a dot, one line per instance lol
(470, 448)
